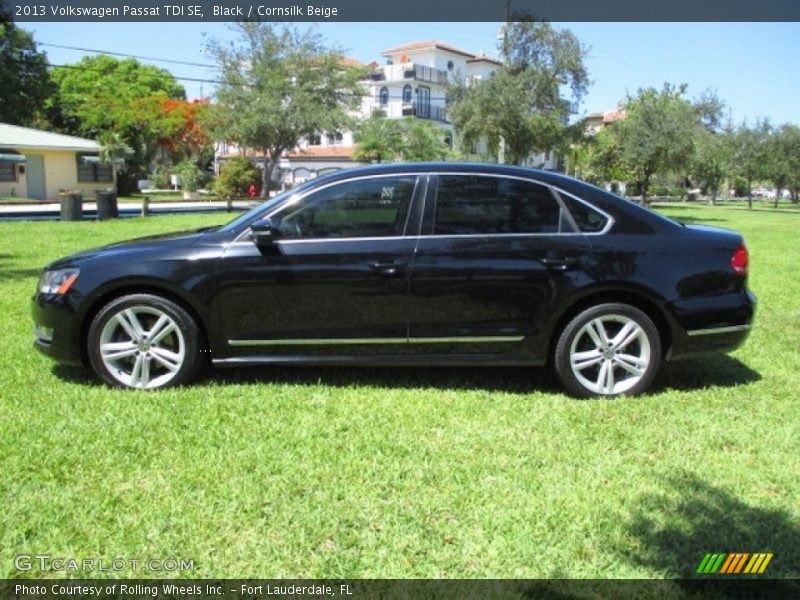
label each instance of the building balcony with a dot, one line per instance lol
(409, 71)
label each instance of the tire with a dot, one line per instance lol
(595, 357)
(143, 341)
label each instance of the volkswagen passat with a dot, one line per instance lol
(418, 264)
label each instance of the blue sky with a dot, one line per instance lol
(752, 66)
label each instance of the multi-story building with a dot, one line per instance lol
(413, 82)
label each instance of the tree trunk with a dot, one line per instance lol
(645, 188)
(270, 160)
(777, 196)
(266, 175)
(749, 195)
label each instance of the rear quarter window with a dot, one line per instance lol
(588, 219)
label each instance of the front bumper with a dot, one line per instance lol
(57, 328)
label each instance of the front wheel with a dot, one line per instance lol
(144, 341)
(608, 350)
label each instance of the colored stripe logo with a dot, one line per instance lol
(734, 563)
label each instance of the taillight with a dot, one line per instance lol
(739, 260)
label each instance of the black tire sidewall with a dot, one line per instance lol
(561, 358)
(185, 323)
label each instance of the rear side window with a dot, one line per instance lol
(586, 218)
(478, 204)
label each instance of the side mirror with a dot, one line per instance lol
(265, 232)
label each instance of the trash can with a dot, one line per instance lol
(71, 205)
(107, 207)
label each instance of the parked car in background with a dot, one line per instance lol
(416, 264)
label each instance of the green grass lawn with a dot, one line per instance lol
(309, 472)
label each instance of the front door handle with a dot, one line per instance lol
(559, 262)
(387, 268)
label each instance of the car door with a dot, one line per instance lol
(335, 280)
(495, 256)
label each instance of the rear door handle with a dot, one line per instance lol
(556, 262)
(387, 268)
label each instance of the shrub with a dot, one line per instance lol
(236, 177)
(189, 175)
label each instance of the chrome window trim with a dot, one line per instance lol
(486, 339)
(294, 199)
(718, 330)
(243, 237)
(551, 187)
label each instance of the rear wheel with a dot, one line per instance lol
(144, 341)
(608, 350)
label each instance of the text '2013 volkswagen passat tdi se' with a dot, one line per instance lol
(416, 264)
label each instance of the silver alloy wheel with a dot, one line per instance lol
(610, 354)
(142, 347)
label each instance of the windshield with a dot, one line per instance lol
(265, 207)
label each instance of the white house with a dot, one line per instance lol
(412, 83)
(37, 164)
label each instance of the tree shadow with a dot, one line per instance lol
(673, 529)
(713, 370)
(13, 274)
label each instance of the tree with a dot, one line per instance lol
(521, 109)
(750, 154)
(710, 162)
(24, 81)
(184, 135)
(411, 140)
(783, 159)
(422, 140)
(656, 134)
(598, 158)
(377, 139)
(792, 146)
(101, 95)
(277, 86)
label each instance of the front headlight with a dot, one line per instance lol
(58, 282)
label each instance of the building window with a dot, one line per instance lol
(383, 97)
(406, 93)
(8, 170)
(450, 65)
(315, 140)
(91, 170)
(335, 138)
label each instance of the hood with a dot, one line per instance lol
(163, 244)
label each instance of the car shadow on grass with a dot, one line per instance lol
(713, 370)
(709, 371)
(518, 380)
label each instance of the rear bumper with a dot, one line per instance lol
(714, 324)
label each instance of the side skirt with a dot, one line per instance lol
(433, 360)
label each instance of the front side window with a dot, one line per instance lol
(478, 204)
(364, 208)
(90, 169)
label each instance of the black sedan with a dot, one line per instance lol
(418, 264)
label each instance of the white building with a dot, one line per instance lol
(412, 83)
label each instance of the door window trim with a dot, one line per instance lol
(433, 188)
(417, 197)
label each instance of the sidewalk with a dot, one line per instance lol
(52, 210)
